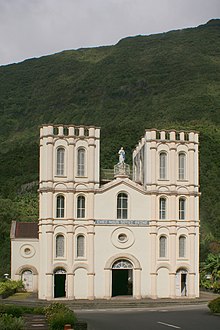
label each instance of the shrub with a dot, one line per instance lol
(214, 305)
(58, 320)
(12, 310)
(216, 286)
(38, 310)
(8, 322)
(55, 308)
(58, 315)
(9, 287)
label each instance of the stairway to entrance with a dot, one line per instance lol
(35, 322)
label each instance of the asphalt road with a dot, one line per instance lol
(160, 318)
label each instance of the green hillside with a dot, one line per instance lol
(169, 80)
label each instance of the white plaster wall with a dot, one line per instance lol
(81, 284)
(163, 283)
(104, 249)
(105, 205)
(21, 261)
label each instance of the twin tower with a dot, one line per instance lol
(135, 235)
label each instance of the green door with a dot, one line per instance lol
(120, 282)
(59, 285)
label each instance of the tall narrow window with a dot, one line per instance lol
(80, 249)
(81, 162)
(182, 208)
(162, 210)
(81, 207)
(182, 246)
(60, 246)
(60, 161)
(60, 207)
(163, 247)
(163, 165)
(182, 166)
(122, 206)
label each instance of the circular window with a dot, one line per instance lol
(122, 238)
(27, 251)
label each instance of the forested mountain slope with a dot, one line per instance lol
(169, 80)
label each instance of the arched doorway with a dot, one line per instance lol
(181, 283)
(122, 278)
(59, 283)
(27, 279)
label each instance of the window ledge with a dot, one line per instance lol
(60, 176)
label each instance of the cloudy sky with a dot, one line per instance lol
(32, 28)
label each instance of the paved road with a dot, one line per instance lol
(179, 317)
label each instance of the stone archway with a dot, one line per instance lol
(59, 283)
(122, 278)
(119, 262)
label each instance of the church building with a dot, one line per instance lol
(134, 235)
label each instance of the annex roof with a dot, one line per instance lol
(24, 229)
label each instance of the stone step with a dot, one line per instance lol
(35, 322)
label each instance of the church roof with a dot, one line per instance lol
(24, 229)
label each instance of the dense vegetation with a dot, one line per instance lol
(169, 80)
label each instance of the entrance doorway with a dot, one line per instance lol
(181, 283)
(122, 278)
(60, 283)
(27, 279)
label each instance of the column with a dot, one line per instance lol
(70, 160)
(108, 283)
(49, 283)
(193, 261)
(191, 166)
(173, 168)
(137, 283)
(172, 285)
(154, 164)
(70, 286)
(49, 261)
(50, 159)
(91, 274)
(191, 285)
(91, 159)
(153, 263)
(153, 294)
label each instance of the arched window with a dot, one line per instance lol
(81, 207)
(81, 157)
(162, 209)
(182, 166)
(182, 208)
(163, 165)
(182, 246)
(60, 246)
(80, 246)
(60, 206)
(163, 247)
(122, 206)
(60, 161)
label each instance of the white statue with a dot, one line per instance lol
(121, 156)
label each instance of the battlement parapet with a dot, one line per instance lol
(69, 131)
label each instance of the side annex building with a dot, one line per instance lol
(136, 235)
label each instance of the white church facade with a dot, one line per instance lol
(135, 235)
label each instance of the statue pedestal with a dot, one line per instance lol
(122, 170)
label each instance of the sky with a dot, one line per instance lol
(33, 28)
